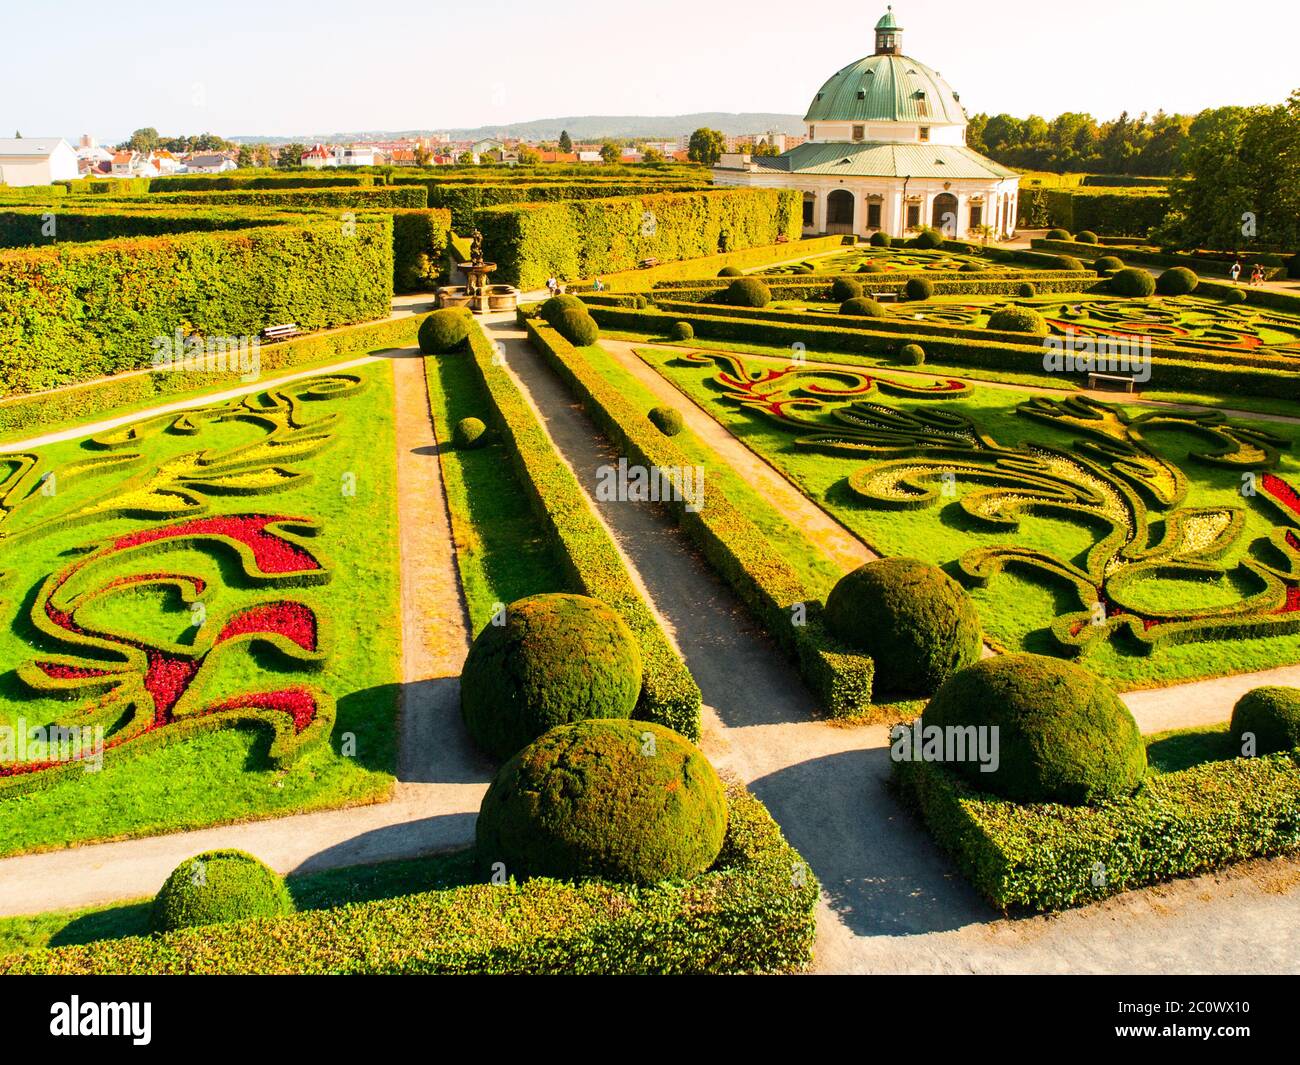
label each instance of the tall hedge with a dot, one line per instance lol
(305, 179)
(74, 312)
(584, 238)
(1108, 213)
(361, 198)
(420, 239)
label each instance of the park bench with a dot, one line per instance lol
(646, 264)
(1112, 382)
(281, 332)
(885, 297)
(783, 239)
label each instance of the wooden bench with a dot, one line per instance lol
(646, 264)
(885, 297)
(783, 239)
(281, 332)
(1123, 382)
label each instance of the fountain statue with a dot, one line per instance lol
(476, 293)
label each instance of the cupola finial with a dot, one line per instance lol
(889, 34)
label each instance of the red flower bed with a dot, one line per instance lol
(272, 553)
(296, 702)
(295, 621)
(1282, 492)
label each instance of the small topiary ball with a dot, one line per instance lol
(1067, 262)
(621, 800)
(1063, 735)
(748, 292)
(681, 331)
(871, 267)
(551, 309)
(918, 624)
(928, 239)
(1058, 234)
(845, 288)
(1019, 320)
(468, 434)
(666, 420)
(1132, 282)
(639, 302)
(862, 307)
(577, 326)
(1177, 282)
(911, 355)
(881, 240)
(1086, 236)
(218, 886)
(972, 268)
(730, 271)
(1108, 264)
(444, 331)
(919, 288)
(558, 658)
(1271, 716)
(1026, 290)
(1234, 295)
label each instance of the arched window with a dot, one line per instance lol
(839, 211)
(944, 215)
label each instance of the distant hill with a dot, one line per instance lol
(580, 127)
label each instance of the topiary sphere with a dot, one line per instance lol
(621, 800)
(881, 240)
(1086, 236)
(871, 267)
(919, 288)
(748, 292)
(1058, 234)
(1178, 281)
(918, 624)
(972, 268)
(1108, 264)
(218, 886)
(1063, 734)
(639, 302)
(862, 307)
(1019, 320)
(928, 239)
(1067, 262)
(666, 420)
(730, 271)
(1234, 295)
(468, 434)
(1132, 282)
(911, 355)
(577, 326)
(444, 331)
(558, 658)
(845, 288)
(681, 331)
(551, 309)
(1026, 290)
(1272, 716)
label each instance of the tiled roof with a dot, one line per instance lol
(874, 159)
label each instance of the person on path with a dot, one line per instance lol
(1236, 273)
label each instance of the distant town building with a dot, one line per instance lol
(210, 163)
(36, 161)
(318, 156)
(358, 155)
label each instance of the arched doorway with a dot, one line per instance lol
(944, 216)
(809, 210)
(839, 211)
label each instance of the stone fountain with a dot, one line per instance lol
(477, 294)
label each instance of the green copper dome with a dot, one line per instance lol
(886, 88)
(887, 20)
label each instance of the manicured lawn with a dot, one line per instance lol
(890, 260)
(341, 448)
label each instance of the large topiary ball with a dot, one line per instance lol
(1067, 262)
(1234, 295)
(1086, 236)
(1132, 282)
(862, 307)
(1108, 264)
(748, 292)
(620, 800)
(1063, 734)
(1178, 281)
(557, 658)
(881, 240)
(666, 420)
(918, 624)
(1058, 234)
(577, 326)
(919, 288)
(845, 288)
(681, 331)
(444, 331)
(1272, 716)
(911, 355)
(468, 434)
(730, 271)
(218, 886)
(871, 267)
(928, 239)
(1026, 290)
(972, 268)
(551, 309)
(1019, 320)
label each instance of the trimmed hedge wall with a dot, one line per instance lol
(79, 311)
(765, 583)
(421, 238)
(750, 913)
(304, 179)
(1047, 856)
(784, 287)
(669, 695)
(705, 270)
(1202, 264)
(1105, 212)
(585, 238)
(361, 198)
(21, 227)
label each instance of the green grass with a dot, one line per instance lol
(225, 776)
(502, 548)
(1172, 752)
(310, 891)
(891, 260)
(1015, 608)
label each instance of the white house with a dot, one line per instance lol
(318, 156)
(209, 163)
(36, 161)
(886, 152)
(362, 155)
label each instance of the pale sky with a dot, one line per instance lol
(239, 67)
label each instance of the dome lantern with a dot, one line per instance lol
(889, 34)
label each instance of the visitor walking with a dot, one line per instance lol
(552, 285)
(1236, 273)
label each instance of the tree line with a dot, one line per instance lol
(1075, 142)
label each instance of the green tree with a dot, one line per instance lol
(651, 155)
(291, 154)
(706, 146)
(529, 156)
(143, 140)
(465, 158)
(611, 152)
(566, 142)
(764, 150)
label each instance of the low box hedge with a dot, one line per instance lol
(337, 196)
(816, 287)
(272, 179)
(1275, 265)
(669, 695)
(753, 912)
(704, 271)
(1047, 856)
(839, 677)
